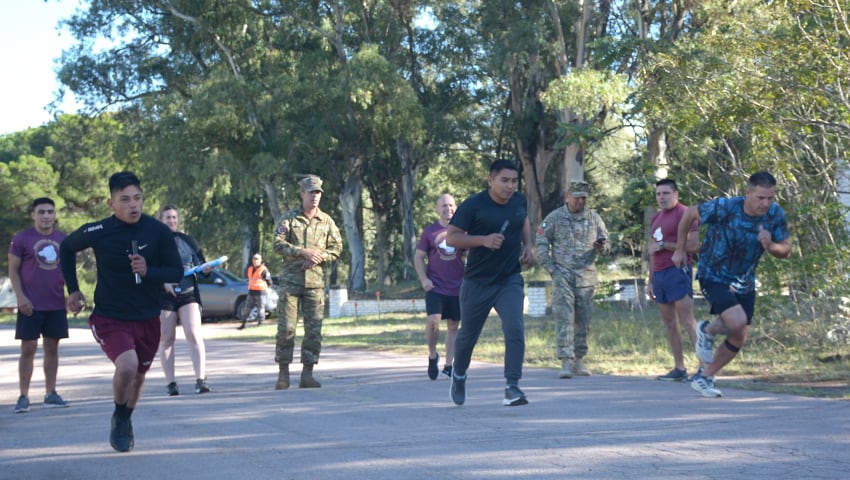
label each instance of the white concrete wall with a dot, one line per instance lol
(7, 294)
(534, 304)
(340, 305)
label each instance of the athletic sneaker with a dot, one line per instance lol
(23, 405)
(201, 386)
(699, 373)
(458, 389)
(172, 389)
(705, 386)
(53, 400)
(514, 397)
(433, 369)
(447, 371)
(121, 434)
(675, 375)
(705, 343)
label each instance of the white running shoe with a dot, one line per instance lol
(705, 343)
(705, 386)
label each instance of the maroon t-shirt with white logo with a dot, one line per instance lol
(445, 263)
(41, 277)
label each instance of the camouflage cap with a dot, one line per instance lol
(311, 184)
(579, 189)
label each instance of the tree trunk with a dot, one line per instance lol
(248, 235)
(574, 154)
(656, 149)
(273, 198)
(350, 203)
(573, 164)
(534, 167)
(381, 247)
(409, 171)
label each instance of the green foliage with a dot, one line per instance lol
(21, 181)
(587, 92)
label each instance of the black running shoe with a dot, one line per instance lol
(433, 369)
(121, 435)
(675, 375)
(172, 389)
(201, 386)
(514, 397)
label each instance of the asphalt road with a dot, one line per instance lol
(378, 416)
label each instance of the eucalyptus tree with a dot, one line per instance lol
(246, 96)
(527, 46)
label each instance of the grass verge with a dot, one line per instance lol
(784, 354)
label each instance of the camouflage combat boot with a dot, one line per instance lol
(307, 380)
(566, 369)
(580, 369)
(282, 377)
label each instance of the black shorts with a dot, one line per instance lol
(171, 303)
(50, 323)
(447, 305)
(721, 298)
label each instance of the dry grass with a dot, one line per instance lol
(786, 352)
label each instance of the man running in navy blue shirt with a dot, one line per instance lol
(493, 225)
(135, 255)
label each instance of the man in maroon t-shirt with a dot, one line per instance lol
(441, 281)
(40, 291)
(672, 287)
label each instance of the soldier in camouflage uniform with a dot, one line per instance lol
(308, 240)
(568, 241)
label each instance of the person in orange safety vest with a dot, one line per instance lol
(259, 280)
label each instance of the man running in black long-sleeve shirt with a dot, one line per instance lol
(125, 319)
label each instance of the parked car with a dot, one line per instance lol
(223, 295)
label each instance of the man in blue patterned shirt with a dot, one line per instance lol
(739, 230)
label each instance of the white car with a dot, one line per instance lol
(223, 295)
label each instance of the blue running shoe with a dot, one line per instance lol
(23, 405)
(458, 389)
(53, 400)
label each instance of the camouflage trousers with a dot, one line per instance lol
(572, 308)
(312, 302)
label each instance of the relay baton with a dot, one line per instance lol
(134, 247)
(212, 264)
